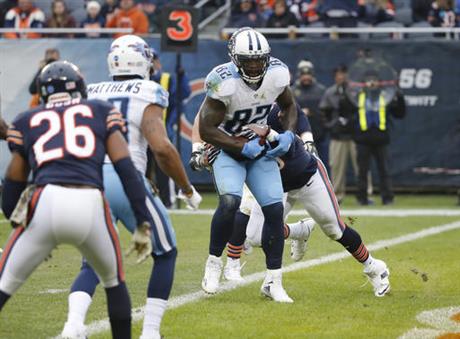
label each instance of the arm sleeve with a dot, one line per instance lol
(15, 139)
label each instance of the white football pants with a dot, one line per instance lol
(61, 215)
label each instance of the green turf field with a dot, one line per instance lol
(330, 299)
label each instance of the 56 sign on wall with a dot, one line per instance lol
(180, 29)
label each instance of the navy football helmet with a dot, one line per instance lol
(61, 77)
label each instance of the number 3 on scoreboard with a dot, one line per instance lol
(72, 134)
(184, 22)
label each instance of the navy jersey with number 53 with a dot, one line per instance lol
(64, 142)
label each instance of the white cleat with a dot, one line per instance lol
(73, 331)
(153, 335)
(273, 288)
(213, 270)
(299, 245)
(378, 274)
(232, 270)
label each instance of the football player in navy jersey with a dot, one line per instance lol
(63, 143)
(305, 180)
(238, 93)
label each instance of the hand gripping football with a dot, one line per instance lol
(258, 130)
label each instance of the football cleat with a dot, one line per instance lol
(378, 274)
(153, 335)
(232, 270)
(73, 331)
(299, 246)
(213, 270)
(273, 288)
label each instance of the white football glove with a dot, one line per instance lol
(141, 242)
(192, 200)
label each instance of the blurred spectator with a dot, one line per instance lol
(60, 18)
(169, 82)
(25, 15)
(420, 9)
(305, 10)
(442, 14)
(51, 55)
(5, 6)
(339, 13)
(265, 8)
(339, 120)
(153, 13)
(308, 93)
(374, 12)
(3, 129)
(108, 9)
(281, 16)
(245, 14)
(94, 19)
(129, 16)
(457, 11)
(372, 116)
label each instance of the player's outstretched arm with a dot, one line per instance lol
(166, 155)
(212, 113)
(117, 149)
(15, 182)
(3, 129)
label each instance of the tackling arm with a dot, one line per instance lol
(212, 113)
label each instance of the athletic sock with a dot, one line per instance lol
(287, 231)
(162, 276)
(222, 223)
(3, 299)
(79, 303)
(153, 313)
(234, 252)
(239, 229)
(86, 281)
(352, 242)
(273, 235)
(119, 307)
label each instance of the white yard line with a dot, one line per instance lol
(103, 325)
(362, 212)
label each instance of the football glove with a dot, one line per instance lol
(141, 242)
(310, 147)
(196, 162)
(284, 143)
(192, 200)
(252, 149)
(210, 155)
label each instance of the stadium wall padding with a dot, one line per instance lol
(428, 139)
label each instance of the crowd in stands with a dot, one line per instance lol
(144, 16)
(344, 13)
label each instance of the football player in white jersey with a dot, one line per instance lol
(142, 103)
(239, 93)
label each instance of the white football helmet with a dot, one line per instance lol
(130, 55)
(250, 52)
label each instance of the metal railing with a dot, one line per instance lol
(51, 31)
(221, 10)
(333, 32)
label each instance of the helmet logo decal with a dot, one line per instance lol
(250, 41)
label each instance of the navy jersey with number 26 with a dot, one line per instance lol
(64, 142)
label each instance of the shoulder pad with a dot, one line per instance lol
(279, 72)
(220, 82)
(153, 93)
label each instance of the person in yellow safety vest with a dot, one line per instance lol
(168, 81)
(372, 137)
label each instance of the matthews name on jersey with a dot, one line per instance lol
(131, 98)
(64, 142)
(244, 104)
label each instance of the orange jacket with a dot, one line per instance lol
(14, 19)
(134, 18)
